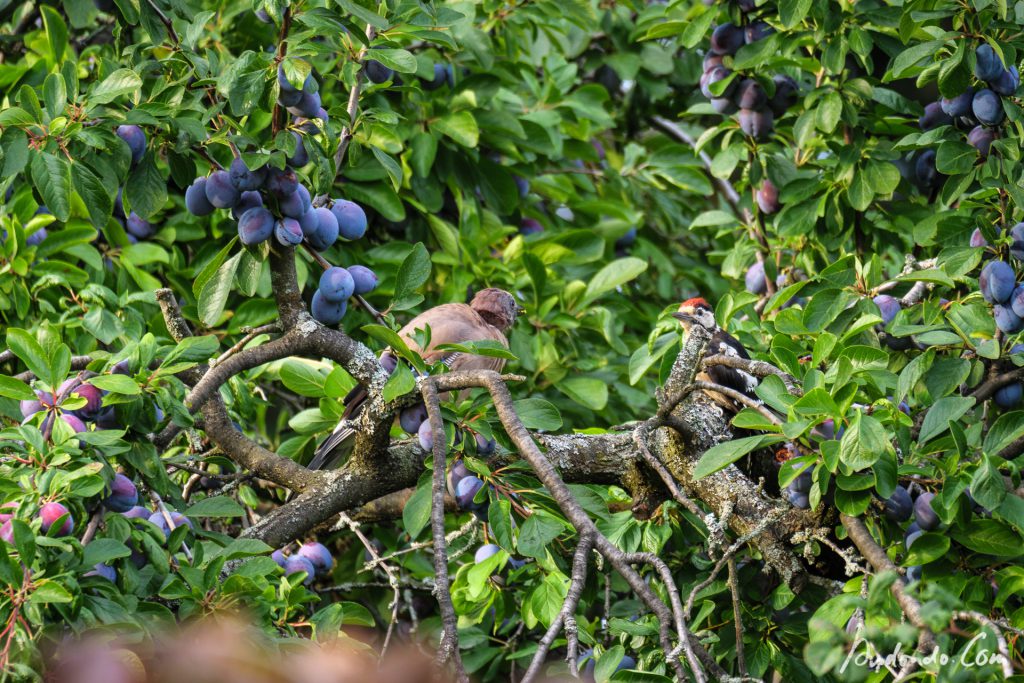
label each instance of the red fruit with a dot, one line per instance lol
(51, 512)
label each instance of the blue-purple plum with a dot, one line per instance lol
(466, 490)
(767, 197)
(74, 422)
(911, 536)
(278, 556)
(308, 105)
(1017, 301)
(980, 138)
(797, 499)
(247, 200)
(441, 77)
(1017, 244)
(485, 552)
(530, 226)
(104, 571)
(750, 95)
(325, 311)
(29, 408)
(288, 232)
(282, 81)
(756, 124)
(412, 418)
(297, 203)
(523, 185)
(888, 307)
(310, 223)
(726, 39)
(425, 436)
(220, 191)
(281, 183)
(135, 139)
(263, 17)
(336, 285)
(106, 418)
(485, 445)
(318, 555)
(195, 198)
(627, 240)
(300, 158)
(1009, 396)
(326, 233)
(924, 169)
(243, 179)
(933, 117)
(787, 92)
(757, 30)
(711, 60)
(364, 279)
(716, 74)
(755, 280)
(987, 65)
(123, 495)
(289, 98)
(37, 237)
(93, 397)
(456, 473)
(138, 226)
(296, 564)
(1007, 321)
(388, 361)
(987, 108)
(256, 225)
(51, 513)
(351, 219)
(914, 573)
(1008, 82)
(997, 282)
(377, 72)
(924, 513)
(899, 506)
(137, 512)
(958, 106)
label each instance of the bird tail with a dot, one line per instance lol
(328, 454)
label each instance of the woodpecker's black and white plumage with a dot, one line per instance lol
(699, 312)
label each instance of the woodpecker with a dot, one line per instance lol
(698, 311)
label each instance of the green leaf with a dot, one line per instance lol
(990, 537)
(118, 384)
(987, 485)
(537, 532)
(400, 382)
(216, 506)
(214, 296)
(146, 189)
(192, 350)
(587, 391)
(303, 378)
(792, 12)
(413, 272)
(210, 269)
(1005, 430)
(31, 354)
(927, 548)
(103, 550)
(16, 389)
(416, 513)
(401, 61)
(536, 413)
(121, 82)
(363, 14)
(56, 33)
(941, 414)
(51, 175)
(613, 275)
(460, 126)
(724, 454)
(863, 443)
(94, 194)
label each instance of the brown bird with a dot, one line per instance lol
(698, 311)
(490, 314)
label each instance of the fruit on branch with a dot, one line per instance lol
(978, 239)
(1007, 83)
(959, 106)
(1007, 321)
(755, 280)
(247, 200)
(465, 492)
(456, 473)
(924, 169)
(256, 225)
(288, 232)
(220, 191)
(310, 223)
(530, 226)
(364, 279)
(123, 495)
(899, 506)
(987, 107)
(351, 219)
(93, 397)
(425, 436)
(756, 124)
(412, 418)
(245, 180)
(1009, 396)
(377, 72)
(1017, 243)
(295, 564)
(135, 138)
(336, 285)
(750, 95)
(443, 73)
(137, 512)
(327, 312)
(757, 30)
(104, 571)
(727, 39)
(715, 75)
(297, 203)
(138, 227)
(997, 282)
(195, 198)
(318, 555)
(485, 446)
(300, 157)
(308, 106)
(485, 552)
(281, 183)
(888, 307)
(933, 117)
(51, 513)
(768, 197)
(980, 138)
(987, 65)
(74, 422)
(326, 232)
(924, 513)
(787, 92)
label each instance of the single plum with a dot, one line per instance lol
(755, 280)
(336, 284)
(220, 191)
(288, 232)
(412, 418)
(326, 233)
(933, 117)
(195, 198)
(296, 564)
(756, 124)
(50, 513)
(318, 555)
(899, 506)
(924, 513)
(987, 65)
(365, 279)
(997, 282)
(987, 108)
(325, 311)
(351, 219)
(135, 139)
(726, 39)
(256, 225)
(123, 494)
(245, 180)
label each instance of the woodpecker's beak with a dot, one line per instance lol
(684, 317)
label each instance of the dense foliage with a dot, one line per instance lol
(834, 177)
